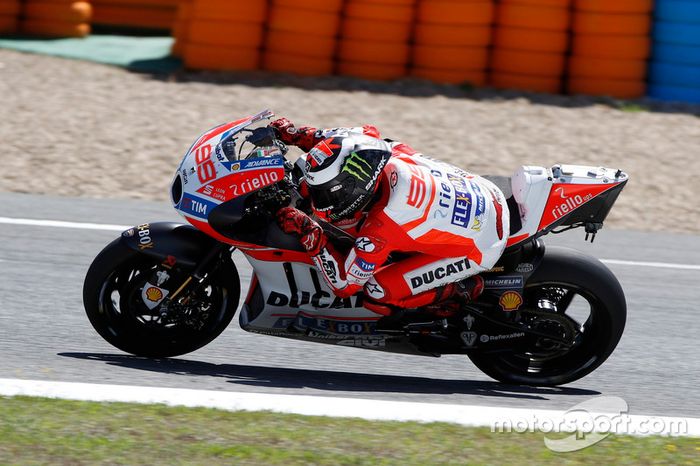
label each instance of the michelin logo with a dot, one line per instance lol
(504, 282)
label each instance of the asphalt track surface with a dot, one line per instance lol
(45, 335)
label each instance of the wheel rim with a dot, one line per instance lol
(586, 314)
(121, 304)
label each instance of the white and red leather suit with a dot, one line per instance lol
(451, 224)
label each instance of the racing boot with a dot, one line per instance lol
(450, 298)
(393, 317)
(469, 289)
(378, 307)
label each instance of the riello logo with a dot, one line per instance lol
(251, 183)
(569, 204)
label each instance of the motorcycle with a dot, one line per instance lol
(547, 315)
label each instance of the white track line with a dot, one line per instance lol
(61, 224)
(108, 227)
(482, 416)
(661, 265)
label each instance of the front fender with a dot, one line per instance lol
(168, 241)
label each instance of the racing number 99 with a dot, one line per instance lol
(205, 167)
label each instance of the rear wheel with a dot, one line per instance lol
(572, 295)
(112, 295)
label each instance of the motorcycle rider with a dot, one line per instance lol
(448, 224)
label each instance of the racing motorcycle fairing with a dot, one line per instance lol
(564, 195)
(255, 232)
(290, 299)
(294, 286)
(213, 174)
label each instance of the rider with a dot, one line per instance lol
(448, 224)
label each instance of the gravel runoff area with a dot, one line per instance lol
(73, 128)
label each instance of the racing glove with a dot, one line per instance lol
(304, 137)
(310, 233)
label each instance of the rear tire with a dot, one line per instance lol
(584, 276)
(113, 303)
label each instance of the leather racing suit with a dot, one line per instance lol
(448, 225)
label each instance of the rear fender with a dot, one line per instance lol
(511, 273)
(522, 258)
(170, 242)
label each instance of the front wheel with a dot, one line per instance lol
(112, 296)
(572, 293)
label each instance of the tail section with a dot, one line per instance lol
(563, 196)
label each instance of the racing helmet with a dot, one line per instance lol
(342, 174)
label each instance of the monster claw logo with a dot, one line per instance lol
(357, 167)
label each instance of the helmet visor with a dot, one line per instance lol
(332, 194)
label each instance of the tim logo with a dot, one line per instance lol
(364, 265)
(196, 206)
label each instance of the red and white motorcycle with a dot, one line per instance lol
(548, 316)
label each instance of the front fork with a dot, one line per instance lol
(197, 276)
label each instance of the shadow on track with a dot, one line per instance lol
(279, 377)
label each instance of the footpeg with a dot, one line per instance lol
(435, 327)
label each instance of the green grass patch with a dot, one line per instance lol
(38, 430)
(631, 107)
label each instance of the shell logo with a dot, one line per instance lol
(235, 167)
(154, 294)
(510, 300)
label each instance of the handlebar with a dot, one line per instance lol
(263, 136)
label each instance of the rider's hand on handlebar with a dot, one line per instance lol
(262, 136)
(310, 233)
(288, 133)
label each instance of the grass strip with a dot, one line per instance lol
(40, 430)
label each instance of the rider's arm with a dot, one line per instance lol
(344, 276)
(306, 137)
(347, 277)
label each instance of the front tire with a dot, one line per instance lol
(113, 303)
(565, 276)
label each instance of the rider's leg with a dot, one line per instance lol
(422, 280)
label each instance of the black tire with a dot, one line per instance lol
(574, 272)
(123, 320)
